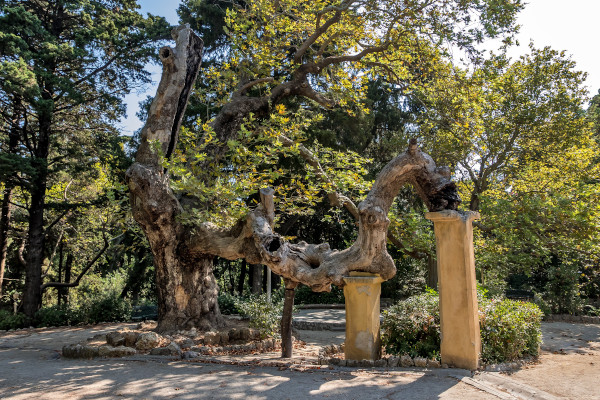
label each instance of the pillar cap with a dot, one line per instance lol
(359, 277)
(452, 215)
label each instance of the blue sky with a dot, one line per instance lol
(563, 25)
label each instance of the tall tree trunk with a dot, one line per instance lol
(32, 297)
(4, 225)
(187, 288)
(63, 292)
(13, 141)
(256, 274)
(432, 277)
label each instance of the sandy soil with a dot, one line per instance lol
(569, 366)
(32, 368)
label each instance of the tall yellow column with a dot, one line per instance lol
(461, 341)
(362, 291)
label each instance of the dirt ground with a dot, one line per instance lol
(32, 368)
(569, 366)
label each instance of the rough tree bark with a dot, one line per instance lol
(183, 257)
(187, 289)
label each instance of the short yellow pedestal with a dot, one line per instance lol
(362, 291)
(459, 315)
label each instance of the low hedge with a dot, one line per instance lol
(509, 329)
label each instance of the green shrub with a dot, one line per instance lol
(108, 309)
(509, 329)
(9, 320)
(264, 315)
(227, 303)
(412, 326)
(58, 316)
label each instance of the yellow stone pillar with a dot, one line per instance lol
(362, 291)
(459, 314)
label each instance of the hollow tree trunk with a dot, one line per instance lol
(187, 289)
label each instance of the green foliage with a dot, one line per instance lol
(509, 329)
(9, 320)
(106, 308)
(264, 315)
(561, 293)
(412, 326)
(228, 303)
(59, 316)
(111, 308)
(304, 295)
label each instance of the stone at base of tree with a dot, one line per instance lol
(381, 363)
(212, 338)
(420, 362)
(186, 344)
(433, 363)
(188, 355)
(351, 363)
(80, 351)
(115, 339)
(393, 361)
(130, 338)
(147, 341)
(366, 363)
(107, 350)
(406, 361)
(172, 349)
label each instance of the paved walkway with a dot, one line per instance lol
(33, 369)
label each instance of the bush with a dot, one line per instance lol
(227, 303)
(509, 329)
(9, 320)
(58, 316)
(108, 309)
(412, 326)
(264, 315)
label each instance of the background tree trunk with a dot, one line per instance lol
(242, 278)
(432, 277)
(256, 272)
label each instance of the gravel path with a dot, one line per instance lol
(33, 369)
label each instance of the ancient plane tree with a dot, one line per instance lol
(183, 257)
(283, 50)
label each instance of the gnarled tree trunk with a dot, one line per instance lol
(183, 257)
(187, 289)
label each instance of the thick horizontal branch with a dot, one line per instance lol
(317, 265)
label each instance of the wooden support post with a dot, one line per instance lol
(286, 319)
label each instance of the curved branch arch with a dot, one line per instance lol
(317, 265)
